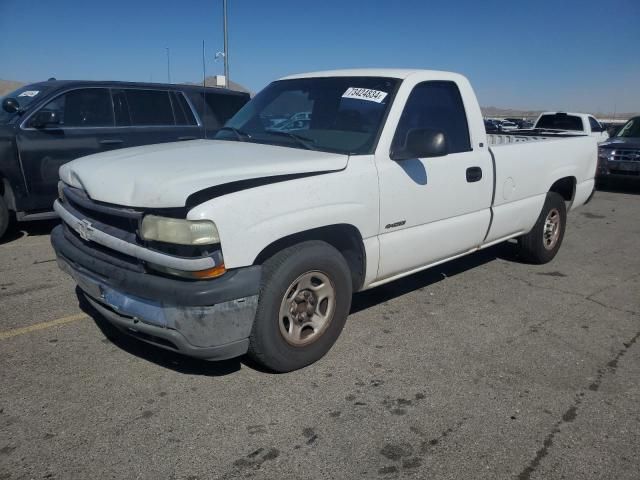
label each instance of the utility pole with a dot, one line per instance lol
(226, 43)
(168, 66)
(204, 67)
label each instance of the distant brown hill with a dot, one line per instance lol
(7, 86)
(496, 112)
(211, 82)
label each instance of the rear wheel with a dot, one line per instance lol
(305, 299)
(5, 217)
(542, 243)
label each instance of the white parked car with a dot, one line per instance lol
(508, 126)
(255, 241)
(582, 123)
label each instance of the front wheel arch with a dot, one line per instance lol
(343, 237)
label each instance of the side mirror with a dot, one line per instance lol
(44, 118)
(10, 105)
(421, 143)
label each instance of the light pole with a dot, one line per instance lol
(226, 43)
(168, 66)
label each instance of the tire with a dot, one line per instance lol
(305, 298)
(542, 243)
(5, 217)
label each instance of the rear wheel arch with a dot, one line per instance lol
(345, 238)
(565, 187)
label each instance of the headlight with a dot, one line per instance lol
(182, 232)
(603, 153)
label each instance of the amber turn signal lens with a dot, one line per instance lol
(210, 273)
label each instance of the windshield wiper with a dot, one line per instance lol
(242, 136)
(300, 140)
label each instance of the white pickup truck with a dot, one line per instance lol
(255, 241)
(576, 123)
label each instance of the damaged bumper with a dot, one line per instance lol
(210, 319)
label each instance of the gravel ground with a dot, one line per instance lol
(480, 368)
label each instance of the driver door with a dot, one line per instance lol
(82, 124)
(433, 208)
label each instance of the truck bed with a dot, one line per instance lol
(525, 168)
(519, 136)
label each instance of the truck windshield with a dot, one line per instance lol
(631, 129)
(334, 114)
(560, 121)
(25, 96)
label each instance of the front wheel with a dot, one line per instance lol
(542, 243)
(305, 297)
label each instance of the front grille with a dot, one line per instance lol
(123, 219)
(625, 156)
(123, 223)
(624, 172)
(102, 253)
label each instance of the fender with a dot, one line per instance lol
(251, 219)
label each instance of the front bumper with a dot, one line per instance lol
(613, 169)
(208, 319)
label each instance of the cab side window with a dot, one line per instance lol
(86, 107)
(595, 126)
(149, 107)
(182, 110)
(435, 105)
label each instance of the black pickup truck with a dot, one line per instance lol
(44, 125)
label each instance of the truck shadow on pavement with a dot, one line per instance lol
(370, 298)
(361, 301)
(28, 229)
(631, 186)
(164, 358)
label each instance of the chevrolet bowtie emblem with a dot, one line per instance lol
(84, 229)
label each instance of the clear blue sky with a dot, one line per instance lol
(555, 54)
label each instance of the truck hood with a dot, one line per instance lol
(165, 175)
(622, 142)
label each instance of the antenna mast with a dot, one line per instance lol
(226, 44)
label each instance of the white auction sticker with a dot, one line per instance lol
(29, 93)
(365, 94)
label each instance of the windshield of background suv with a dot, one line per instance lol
(335, 114)
(25, 96)
(631, 129)
(560, 121)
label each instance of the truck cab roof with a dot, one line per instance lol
(400, 73)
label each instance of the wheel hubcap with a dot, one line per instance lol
(307, 308)
(551, 231)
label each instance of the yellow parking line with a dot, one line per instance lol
(41, 326)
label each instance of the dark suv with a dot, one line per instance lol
(619, 157)
(44, 125)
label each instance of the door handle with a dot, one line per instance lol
(112, 141)
(474, 174)
(187, 138)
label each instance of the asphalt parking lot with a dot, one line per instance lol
(480, 368)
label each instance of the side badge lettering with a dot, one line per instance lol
(396, 224)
